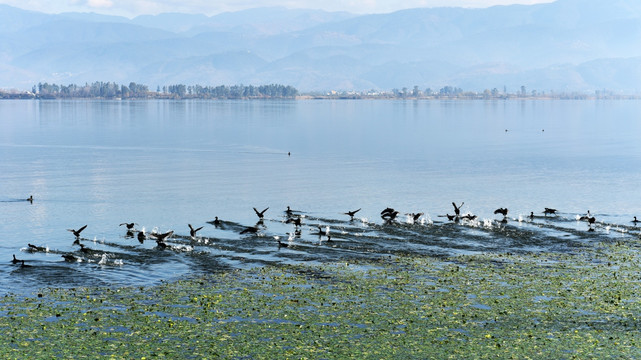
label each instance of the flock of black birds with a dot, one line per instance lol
(294, 217)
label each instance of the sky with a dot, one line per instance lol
(132, 8)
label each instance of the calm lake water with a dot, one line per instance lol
(167, 164)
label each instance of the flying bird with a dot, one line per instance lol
(77, 232)
(260, 214)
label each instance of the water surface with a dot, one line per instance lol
(166, 164)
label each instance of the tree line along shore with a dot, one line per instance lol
(112, 90)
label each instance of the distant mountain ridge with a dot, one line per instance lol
(567, 45)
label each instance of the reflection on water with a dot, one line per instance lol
(166, 164)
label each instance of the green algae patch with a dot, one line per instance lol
(581, 305)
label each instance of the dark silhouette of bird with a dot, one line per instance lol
(452, 217)
(294, 220)
(216, 222)
(69, 258)
(585, 217)
(469, 217)
(502, 211)
(141, 237)
(30, 199)
(162, 237)
(288, 212)
(130, 226)
(193, 231)
(249, 230)
(388, 210)
(282, 244)
(457, 209)
(414, 216)
(36, 248)
(24, 265)
(161, 244)
(260, 214)
(84, 249)
(77, 232)
(15, 261)
(549, 211)
(390, 216)
(635, 221)
(352, 213)
(531, 215)
(329, 239)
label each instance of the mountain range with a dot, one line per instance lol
(565, 46)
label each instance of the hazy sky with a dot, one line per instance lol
(132, 8)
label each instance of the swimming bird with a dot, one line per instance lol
(30, 199)
(77, 232)
(585, 217)
(36, 248)
(329, 239)
(502, 211)
(129, 225)
(289, 211)
(193, 231)
(635, 221)
(249, 230)
(70, 258)
(549, 211)
(141, 237)
(282, 244)
(24, 265)
(452, 217)
(15, 261)
(295, 220)
(260, 214)
(161, 244)
(216, 222)
(457, 209)
(352, 213)
(531, 215)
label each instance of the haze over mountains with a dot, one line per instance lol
(568, 45)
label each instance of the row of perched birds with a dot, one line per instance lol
(292, 217)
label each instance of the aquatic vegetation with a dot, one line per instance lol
(543, 305)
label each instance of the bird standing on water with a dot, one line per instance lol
(193, 231)
(77, 232)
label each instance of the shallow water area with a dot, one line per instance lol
(167, 164)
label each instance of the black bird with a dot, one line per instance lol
(352, 213)
(15, 261)
(84, 249)
(260, 214)
(130, 226)
(502, 211)
(162, 237)
(415, 217)
(36, 248)
(161, 244)
(451, 217)
(531, 215)
(289, 211)
(249, 230)
(549, 211)
(30, 199)
(635, 221)
(469, 217)
(457, 209)
(591, 220)
(282, 244)
(585, 217)
(216, 222)
(77, 232)
(193, 231)
(141, 237)
(23, 264)
(388, 210)
(389, 216)
(329, 239)
(69, 258)
(295, 220)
